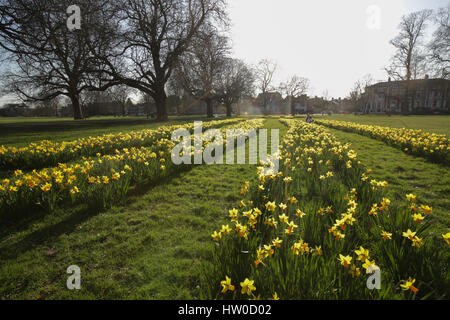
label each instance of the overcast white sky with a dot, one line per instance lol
(327, 41)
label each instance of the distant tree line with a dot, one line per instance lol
(154, 47)
(161, 48)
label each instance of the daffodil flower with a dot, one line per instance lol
(247, 286)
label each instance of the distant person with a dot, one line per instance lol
(309, 119)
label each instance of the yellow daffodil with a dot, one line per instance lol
(363, 254)
(446, 237)
(345, 260)
(354, 271)
(226, 285)
(225, 229)
(300, 213)
(277, 242)
(368, 263)
(292, 200)
(247, 286)
(271, 206)
(216, 236)
(46, 187)
(74, 190)
(290, 229)
(386, 235)
(409, 234)
(318, 251)
(418, 217)
(408, 285)
(283, 218)
(300, 247)
(426, 209)
(417, 242)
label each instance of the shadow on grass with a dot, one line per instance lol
(68, 125)
(69, 223)
(52, 229)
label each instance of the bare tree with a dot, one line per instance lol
(48, 108)
(407, 45)
(156, 34)
(408, 42)
(50, 60)
(200, 69)
(295, 86)
(90, 98)
(236, 80)
(357, 95)
(264, 73)
(440, 44)
(120, 94)
(148, 102)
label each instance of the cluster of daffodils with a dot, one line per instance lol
(47, 153)
(242, 228)
(363, 257)
(107, 176)
(102, 177)
(431, 145)
(347, 218)
(247, 288)
(320, 154)
(300, 219)
(416, 241)
(416, 212)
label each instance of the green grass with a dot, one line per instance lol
(151, 248)
(405, 174)
(432, 123)
(11, 120)
(155, 245)
(19, 133)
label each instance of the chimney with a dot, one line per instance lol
(389, 79)
(426, 77)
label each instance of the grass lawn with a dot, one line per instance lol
(21, 131)
(151, 248)
(405, 174)
(432, 123)
(156, 245)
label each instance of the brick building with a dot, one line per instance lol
(416, 96)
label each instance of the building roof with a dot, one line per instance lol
(416, 82)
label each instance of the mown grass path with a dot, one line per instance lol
(405, 174)
(152, 248)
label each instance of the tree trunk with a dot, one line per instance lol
(77, 108)
(209, 108)
(161, 109)
(291, 106)
(265, 101)
(229, 109)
